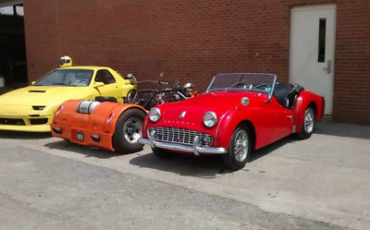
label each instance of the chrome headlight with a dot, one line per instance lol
(210, 119)
(154, 114)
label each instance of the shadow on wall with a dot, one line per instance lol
(343, 130)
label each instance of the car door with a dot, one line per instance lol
(111, 88)
(283, 120)
(275, 122)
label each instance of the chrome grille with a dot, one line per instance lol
(180, 136)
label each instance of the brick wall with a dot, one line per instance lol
(195, 39)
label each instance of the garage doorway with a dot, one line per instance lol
(312, 50)
(13, 62)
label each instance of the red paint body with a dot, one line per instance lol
(96, 123)
(270, 120)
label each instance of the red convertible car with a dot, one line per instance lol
(238, 113)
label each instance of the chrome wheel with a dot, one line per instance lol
(132, 129)
(241, 146)
(309, 120)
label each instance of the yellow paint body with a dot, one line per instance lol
(18, 105)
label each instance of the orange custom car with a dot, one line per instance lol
(110, 125)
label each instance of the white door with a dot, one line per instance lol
(312, 50)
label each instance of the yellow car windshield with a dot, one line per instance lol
(66, 77)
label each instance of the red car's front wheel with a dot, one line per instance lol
(239, 149)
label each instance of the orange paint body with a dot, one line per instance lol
(101, 122)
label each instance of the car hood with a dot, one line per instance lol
(42, 95)
(217, 102)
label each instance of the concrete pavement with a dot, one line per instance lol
(320, 183)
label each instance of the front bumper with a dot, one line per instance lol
(27, 126)
(182, 148)
(101, 140)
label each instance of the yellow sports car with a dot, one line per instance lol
(31, 109)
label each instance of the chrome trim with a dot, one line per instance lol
(196, 146)
(151, 139)
(214, 116)
(181, 148)
(159, 114)
(269, 74)
(180, 136)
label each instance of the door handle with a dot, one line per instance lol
(328, 67)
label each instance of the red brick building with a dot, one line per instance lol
(324, 47)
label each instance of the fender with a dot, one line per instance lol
(146, 120)
(229, 122)
(304, 99)
(102, 121)
(114, 113)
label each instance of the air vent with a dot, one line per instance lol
(38, 107)
(41, 121)
(37, 91)
(11, 121)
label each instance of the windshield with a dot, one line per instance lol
(66, 77)
(244, 82)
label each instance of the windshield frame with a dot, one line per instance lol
(255, 74)
(65, 69)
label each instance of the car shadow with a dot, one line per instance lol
(256, 155)
(24, 135)
(203, 167)
(83, 150)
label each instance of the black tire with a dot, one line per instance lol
(121, 143)
(305, 132)
(130, 97)
(104, 99)
(230, 158)
(162, 153)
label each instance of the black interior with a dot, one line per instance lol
(286, 94)
(104, 99)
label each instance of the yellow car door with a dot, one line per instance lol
(111, 86)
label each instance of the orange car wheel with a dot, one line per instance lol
(128, 131)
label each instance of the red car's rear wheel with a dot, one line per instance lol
(308, 125)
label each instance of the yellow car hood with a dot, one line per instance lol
(43, 95)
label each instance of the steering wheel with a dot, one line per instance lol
(267, 87)
(81, 82)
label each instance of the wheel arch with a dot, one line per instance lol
(305, 104)
(228, 126)
(252, 130)
(118, 110)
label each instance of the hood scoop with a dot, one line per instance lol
(37, 91)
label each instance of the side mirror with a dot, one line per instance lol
(129, 76)
(33, 82)
(98, 84)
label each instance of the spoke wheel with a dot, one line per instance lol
(308, 125)
(309, 120)
(239, 148)
(130, 97)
